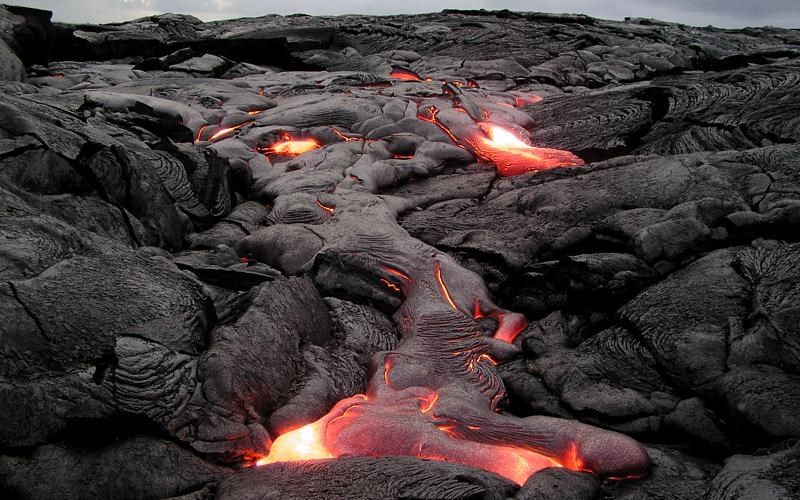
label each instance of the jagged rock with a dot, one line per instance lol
(764, 476)
(675, 475)
(143, 467)
(11, 68)
(387, 477)
(559, 483)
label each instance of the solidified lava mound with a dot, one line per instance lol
(459, 255)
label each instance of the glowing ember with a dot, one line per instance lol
(292, 147)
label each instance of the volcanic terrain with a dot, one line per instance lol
(459, 255)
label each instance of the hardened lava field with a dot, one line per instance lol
(459, 255)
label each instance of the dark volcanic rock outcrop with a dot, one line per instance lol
(214, 233)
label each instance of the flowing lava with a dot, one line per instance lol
(511, 156)
(404, 74)
(438, 393)
(500, 147)
(304, 443)
(291, 147)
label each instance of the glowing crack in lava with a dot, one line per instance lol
(438, 394)
(288, 146)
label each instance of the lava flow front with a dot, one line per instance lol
(511, 156)
(497, 145)
(437, 394)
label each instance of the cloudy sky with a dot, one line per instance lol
(722, 13)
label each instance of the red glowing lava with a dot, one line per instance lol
(523, 100)
(225, 131)
(404, 74)
(291, 147)
(433, 110)
(571, 460)
(395, 272)
(512, 156)
(305, 443)
(443, 287)
(200, 133)
(328, 209)
(390, 285)
(509, 154)
(510, 326)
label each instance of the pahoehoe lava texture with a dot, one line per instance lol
(471, 254)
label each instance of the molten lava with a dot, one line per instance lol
(404, 74)
(496, 145)
(305, 443)
(443, 287)
(437, 394)
(511, 156)
(225, 131)
(524, 100)
(390, 285)
(328, 209)
(291, 147)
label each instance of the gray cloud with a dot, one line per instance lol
(723, 13)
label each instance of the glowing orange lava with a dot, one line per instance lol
(512, 156)
(328, 209)
(509, 329)
(291, 147)
(390, 285)
(571, 460)
(348, 138)
(445, 291)
(524, 100)
(433, 110)
(404, 74)
(305, 443)
(225, 131)
(509, 154)
(395, 272)
(200, 133)
(427, 403)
